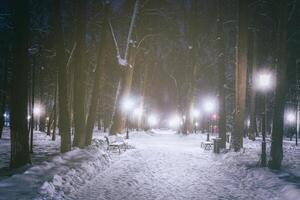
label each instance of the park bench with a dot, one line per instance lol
(115, 142)
(207, 145)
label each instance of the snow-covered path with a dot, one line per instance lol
(168, 166)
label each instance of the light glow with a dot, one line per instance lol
(127, 104)
(195, 113)
(152, 120)
(291, 117)
(209, 105)
(138, 112)
(264, 81)
(174, 121)
(37, 111)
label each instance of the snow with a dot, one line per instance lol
(60, 175)
(121, 61)
(161, 165)
(165, 165)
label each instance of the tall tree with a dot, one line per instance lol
(253, 125)
(191, 69)
(280, 92)
(64, 115)
(98, 75)
(240, 77)
(19, 94)
(221, 77)
(79, 94)
(119, 117)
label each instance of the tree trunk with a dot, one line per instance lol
(221, 78)
(280, 92)
(19, 94)
(97, 77)
(119, 117)
(240, 77)
(192, 69)
(55, 118)
(3, 96)
(253, 125)
(79, 98)
(144, 82)
(64, 115)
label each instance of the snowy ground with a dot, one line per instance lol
(43, 148)
(162, 165)
(168, 166)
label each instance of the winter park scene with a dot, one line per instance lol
(149, 99)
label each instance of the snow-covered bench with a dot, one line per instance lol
(208, 145)
(116, 142)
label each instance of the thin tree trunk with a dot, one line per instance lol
(241, 77)
(19, 94)
(97, 77)
(253, 125)
(3, 96)
(79, 96)
(280, 92)
(55, 115)
(222, 79)
(144, 82)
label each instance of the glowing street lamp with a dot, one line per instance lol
(152, 120)
(138, 112)
(290, 117)
(37, 111)
(264, 82)
(127, 105)
(209, 106)
(195, 114)
(174, 121)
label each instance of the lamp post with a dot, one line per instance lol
(152, 120)
(264, 83)
(209, 106)
(127, 105)
(195, 115)
(291, 119)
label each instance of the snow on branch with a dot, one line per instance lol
(124, 61)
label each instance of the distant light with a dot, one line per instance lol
(47, 118)
(209, 105)
(174, 121)
(5, 115)
(248, 123)
(37, 111)
(214, 116)
(28, 117)
(127, 104)
(152, 120)
(264, 81)
(138, 112)
(196, 124)
(195, 113)
(291, 117)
